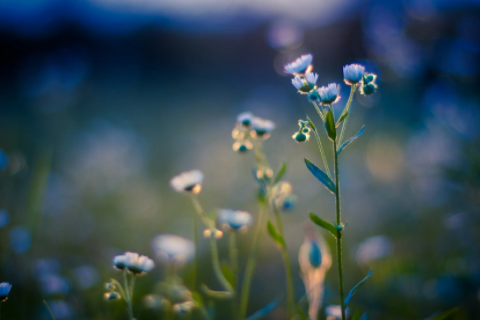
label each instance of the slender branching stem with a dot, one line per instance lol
(338, 222)
(217, 268)
(252, 261)
(324, 158)
(288, 266)
(320, 113)
(347, 110)
(233, 250)
(132, 286)
(127, 294)
(195, 262)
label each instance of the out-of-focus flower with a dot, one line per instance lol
(20, 239)
(190, 181)
(329, 94)
(315, 260)
(300, 65)
(86, 276)
(183, 308)
(60, 309)
(335, 312)
(154, 301)
(213, 233)
(368, 84)
(234, 219)
(262, 128)
(54, 284)
(4, 218)
(112, 296)
(245, 118)
(134, 262)
(374, 248)
(173, 249)
(5, 288)
(110, 286)
(353, 73)
(303, 134)
(305, 84)
(242, 146)
(282, 196)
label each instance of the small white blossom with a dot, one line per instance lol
(300, 65)
(173, 249)
(245, 118)
(212, 233)
(305, 84)
(190, 181)
(329, 94)
(234, 219)
(335, 312)
(134, 262)
(353, 73)
(262, 127)
(5, 288)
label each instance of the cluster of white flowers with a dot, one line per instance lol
(133, 262)
(249, 128)
(234, 219)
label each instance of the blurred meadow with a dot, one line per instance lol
(102, 102)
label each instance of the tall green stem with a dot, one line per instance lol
(233, 253)
(252, 260)
(217, 268)
(338, 221)
(288, 267)
(127, 295)
(347, 110)
(195, 262)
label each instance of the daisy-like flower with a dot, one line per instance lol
(303, 64)
(245, 118)
(173, 249)
(5, 288)
(120, 262)
(305, 84)
(329, 94)
(234, 219)
(353, 73)
(134, 263)
(262, 128)
(190, 181)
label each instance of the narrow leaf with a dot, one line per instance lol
(275, 235)
(445, 314)
(320, 175)
(265, 310)
(342, 117)
(228, 274)
(281, 172)
(119, 288)
(324, 224)
(197, 298)
(351, 140)
(356, 315)
(330, 125)
(350, 294)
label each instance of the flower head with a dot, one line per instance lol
(242, 146)
(173, 249)
(112, 296)
(212, 233)
(329, 94)
(190, 181)
(368, 84)
(300, 65)
(245, 118)
(5, 288)
(234, 219)
(305, 84)
(134, 263)
(262, 127)
(353, 73)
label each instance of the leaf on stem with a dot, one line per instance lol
(281, 172)
(356, 315)
(444, 315)
(320, 175)
(217, 294)
(275, 235)
(228, 274)
(330, 125)
(354, 289)
(351, 140)
(310, 123)
(324, 224)
(342, 117)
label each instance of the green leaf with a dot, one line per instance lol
(275, 235)
(228, 274)
(356, 315)
(320, 175)
(342, 117)
(281, 172)
(350, 294)
(197, 298)
(330, 125)
(310, 123)
(213, 215)
(444, 315)
(324, 224)
(351, 140)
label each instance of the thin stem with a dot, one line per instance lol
(324, 158)
(132, 286)
(252, 260)
(288, 267)
(347, 110)
(1, 308)
(48, 308)
(338, 221)
(233, 253)
(195, 262)
(127, 294)
(320, 113)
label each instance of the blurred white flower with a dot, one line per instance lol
(54, 284)
(262, 127)
(173, 249)
(190, 181)
(329, 94)
(245, 118)
(112, 295)
(353, 73)
(335, 312)
(315, 260)
(234, 219)
(86, 276)
(300, 65)
(5, 288)
(374, 248)
(305, 84)
(134, 262)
